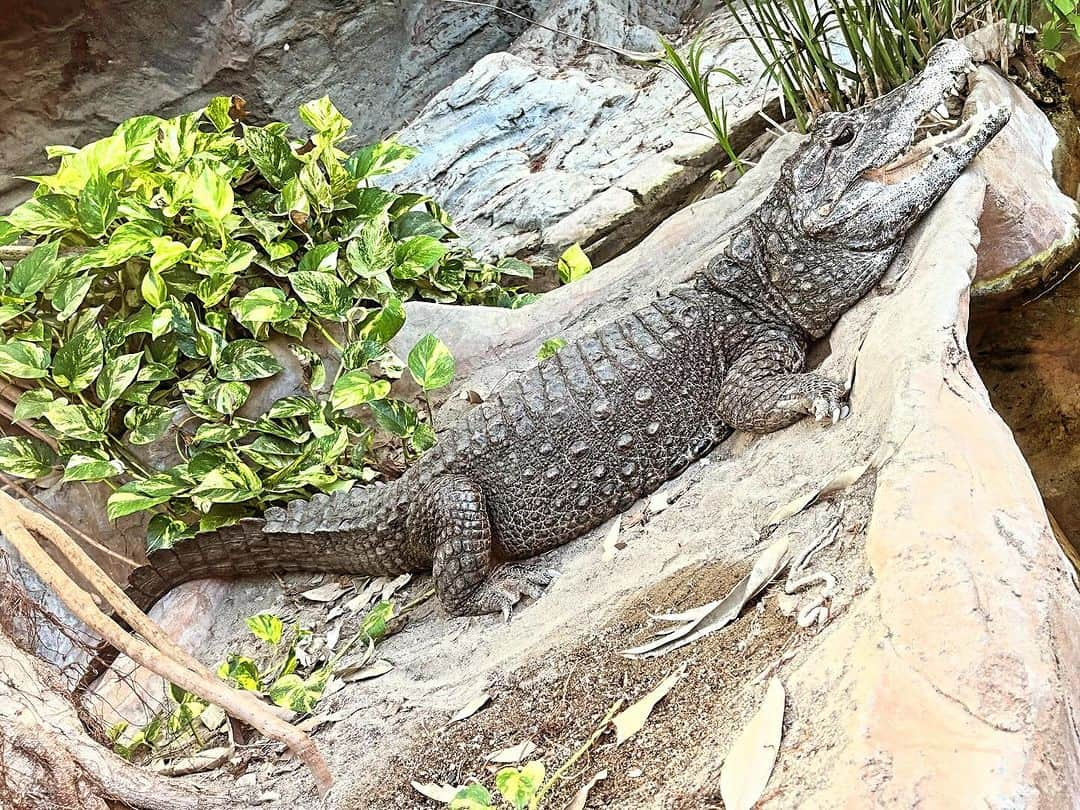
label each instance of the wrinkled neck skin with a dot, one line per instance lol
(811, 281)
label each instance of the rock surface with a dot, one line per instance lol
(1029, 227)
(948, 670)
(73, 70)
(530, 155)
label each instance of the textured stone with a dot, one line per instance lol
(522, 141)
(73, 71)
(1029, 227)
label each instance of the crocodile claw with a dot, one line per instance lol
(508, 583)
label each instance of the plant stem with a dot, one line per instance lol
(534, 803)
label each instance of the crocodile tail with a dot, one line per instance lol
(361, 531)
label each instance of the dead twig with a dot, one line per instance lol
(18, 522)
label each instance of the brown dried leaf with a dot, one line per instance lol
(582, 796)
(472, 707)
(205, 760)
(748, 766)
(443, 793)
(353, 673)
(324, 593)
(632, 719)
(611, 540)
(514, 754)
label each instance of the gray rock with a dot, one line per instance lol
(73, 72)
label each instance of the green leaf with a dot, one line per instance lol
(361, 352)
(79, 361)
(322, 116)
(549, 348)
(96, 467)
(232, 482)
(471, 797)
(33, 272)
(265, 305)
(163, 531)
(235, 258)
(44, 214)
(226, 397)
(418, 254)
(220, 434)
(376, 620)
(148, 423)
(153, 288)
(117, 375)
(26, 457)
(70, 294)
(241, 672)
(573, 264)
(510, 266)
(27, 361)
(167, 252)
(271, 155)
(325, 294)
(373, 251)
(121, 503)
(384, 323)
(212, 195)
(395, 417)
(321, 258)
(244, 360)
(9, 312)
(423, 437)
(217, 111)
(97, 206)
(34, 403)
(519, 785)
(77, 421)
(357, 388)
(293, 406)
(380, 158)
(265, 626)
(299, 694)
(431, 364)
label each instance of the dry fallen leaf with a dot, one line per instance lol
(205, 760)
(514, 754)
(632, 719)
(441, 793)
(750, 761)
(582, 796)
(472, 707)
(611, 540)
(715, 615)
(661, 500)
(394, 585)
(324, 593)
(212, 717)
(353, 673)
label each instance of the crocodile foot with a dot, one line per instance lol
(828, 401)
(507, 584)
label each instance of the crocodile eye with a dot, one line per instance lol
(844, 136)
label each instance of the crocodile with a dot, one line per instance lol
(611, 417)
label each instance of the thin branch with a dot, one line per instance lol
(242, 705)
(50, 513)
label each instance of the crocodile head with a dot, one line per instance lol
(863, 178)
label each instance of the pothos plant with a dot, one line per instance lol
(161, 260)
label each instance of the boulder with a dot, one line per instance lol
(540, 147)
(73, 72)
(1029, 227)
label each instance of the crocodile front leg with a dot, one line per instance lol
(765, 390)
(452, 515)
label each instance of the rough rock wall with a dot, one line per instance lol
(72, 71)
